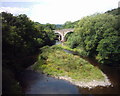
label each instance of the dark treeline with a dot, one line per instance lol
(98, 36)
(21, 38)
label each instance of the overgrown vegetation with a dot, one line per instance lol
(21, 38)
(54, 61)
(98, 36)
(77, 50)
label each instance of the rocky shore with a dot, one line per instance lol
(94, 83)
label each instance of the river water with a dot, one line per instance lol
(37, 83)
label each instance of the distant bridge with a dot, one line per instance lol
(63, 32)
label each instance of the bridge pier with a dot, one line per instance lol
(62, 38)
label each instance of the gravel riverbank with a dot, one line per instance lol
(94, 83)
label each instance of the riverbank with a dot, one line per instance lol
(90, 84)
(77, 51)
(55, 62)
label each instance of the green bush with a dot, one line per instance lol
(98, 36)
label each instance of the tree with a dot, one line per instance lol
(98, 36)
(21, 38)
(68, 24)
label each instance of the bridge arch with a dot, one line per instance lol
(67, 35)
(58, 36)
(63, 33)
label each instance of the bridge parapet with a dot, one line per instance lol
(65, 30)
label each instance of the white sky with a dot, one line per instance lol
(60, 11)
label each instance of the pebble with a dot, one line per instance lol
(90, 85)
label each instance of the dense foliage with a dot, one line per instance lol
(21, 38)
(66, 25)
(98, 36)
(69, 24)
(114, 11)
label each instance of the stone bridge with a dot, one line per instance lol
(62, 33)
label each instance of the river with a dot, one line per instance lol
(37, 83)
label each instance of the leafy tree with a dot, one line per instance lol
(114, 11)
(47, 32)
(50, 26)
(68, 24)
(98, 36)
(21, 38)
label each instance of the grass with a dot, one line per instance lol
(54, 61)
(76, 50)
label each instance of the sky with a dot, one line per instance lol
(57, 11)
